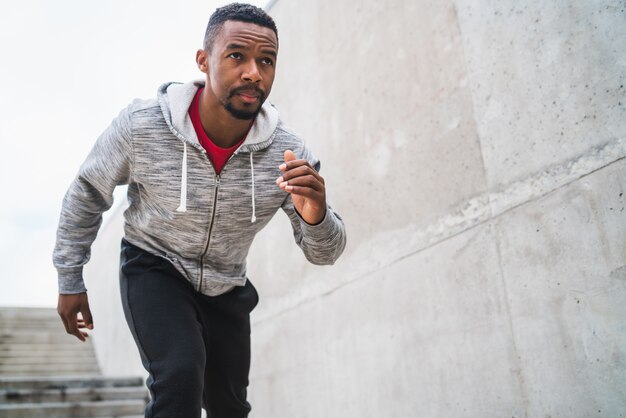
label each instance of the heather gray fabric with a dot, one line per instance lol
(208, 243)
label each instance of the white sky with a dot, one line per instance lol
(68, 67)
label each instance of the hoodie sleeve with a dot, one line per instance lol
(323, 242)
(90, 194)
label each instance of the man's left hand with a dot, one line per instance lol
(306, 186)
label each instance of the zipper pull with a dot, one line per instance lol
(217, 180)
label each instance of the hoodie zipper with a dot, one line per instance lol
(208, 239)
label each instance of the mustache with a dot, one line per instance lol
(244, 89)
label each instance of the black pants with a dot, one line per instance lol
(196, 348)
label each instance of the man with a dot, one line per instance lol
(207, 165)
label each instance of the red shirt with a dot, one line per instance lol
(217, 155)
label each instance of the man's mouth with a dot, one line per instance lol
(248, 95)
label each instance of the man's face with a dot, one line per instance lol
(240, 67)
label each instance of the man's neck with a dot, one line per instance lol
(223, 128)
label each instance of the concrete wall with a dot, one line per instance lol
(476, 151)
(116, 351)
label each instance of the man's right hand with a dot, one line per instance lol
(68, 308)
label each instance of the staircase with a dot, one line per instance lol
(45, 372)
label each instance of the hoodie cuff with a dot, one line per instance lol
(71, 281)
(320, 231)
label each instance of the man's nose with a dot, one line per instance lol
(251, 72)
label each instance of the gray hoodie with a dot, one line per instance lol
(179, 208)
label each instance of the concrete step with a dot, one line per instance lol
(73, 349)
(44, 373)
(45, 357)
(25, 316)
(66, 382)
(72, 394)
(67, 346)
(73, 409)
(27, 313)
(44, 322)
(28, 337)
(60, 358)
(48, 315)
(68, 368)
(48, 326)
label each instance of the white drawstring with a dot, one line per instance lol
(183, 182)
(183, 185)
(253, 219)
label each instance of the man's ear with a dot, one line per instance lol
(202, 60)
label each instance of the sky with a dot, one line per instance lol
(68, 68)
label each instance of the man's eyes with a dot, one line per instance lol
(239, 55)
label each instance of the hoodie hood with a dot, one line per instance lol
(175, 99)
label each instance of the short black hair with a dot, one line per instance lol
(239, 12)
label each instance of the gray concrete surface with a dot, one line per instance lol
(47, 373)
(116, 351)
(476, 151)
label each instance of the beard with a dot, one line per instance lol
(244, 114)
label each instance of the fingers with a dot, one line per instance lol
(306, 186)
(82, 325)
(289, 155)
(71, 323)
(308, 181)
(291, 164)
(68, 308)
(65, 325)
(304, 191)
(291, 161)
(87, 318)
(293, 168)
(72, 328)
(300, 171)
